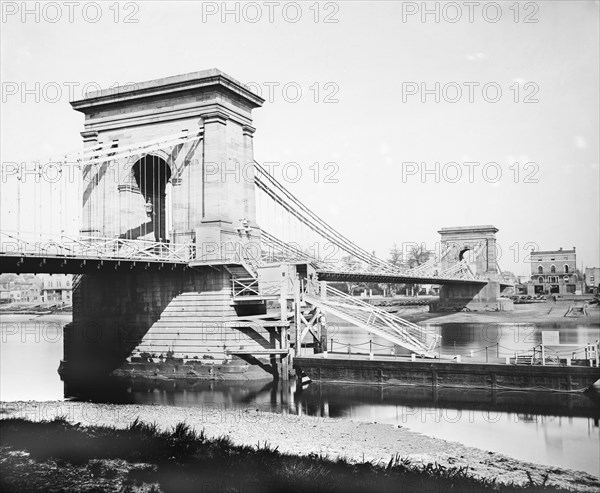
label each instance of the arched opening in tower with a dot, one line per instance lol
(468, 255)
(152, 174)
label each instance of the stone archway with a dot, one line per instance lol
(152, 174)
(467, 253)
(477, 246)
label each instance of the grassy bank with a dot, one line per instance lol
(60, 456)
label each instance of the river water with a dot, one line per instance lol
(558, 429)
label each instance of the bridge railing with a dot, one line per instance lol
(19, 243)
(254, 287)
(119, 248)
(276, 250)
(379, 320)
(244, 287)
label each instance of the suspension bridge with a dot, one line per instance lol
(175, 255)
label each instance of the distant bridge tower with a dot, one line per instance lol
(476, 247)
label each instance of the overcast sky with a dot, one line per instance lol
(361, 105)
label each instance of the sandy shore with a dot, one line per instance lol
(304, 435)
(533, 313)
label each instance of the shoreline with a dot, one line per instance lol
(548, 312)
(528, 313)
(304, 435)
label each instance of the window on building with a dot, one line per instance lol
(552, 259)
(541, 280)
(540, 270)
(539, 260)
(552, 269)
(566, 269)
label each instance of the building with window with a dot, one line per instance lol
(554, 272)
(592, 280)
(19, 289)
(56, 288)
(9, 295)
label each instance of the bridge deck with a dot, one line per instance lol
(391, 278)
(21, 263)
(24, 264)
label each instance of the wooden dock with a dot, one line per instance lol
(436, 373)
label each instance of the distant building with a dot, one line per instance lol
(522, 285)
(8, 295)
(31, 293)
(592, 280)
(20, 289)
(554, 272)
(56, 288)
(29, 286)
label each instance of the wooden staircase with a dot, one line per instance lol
(417, 339)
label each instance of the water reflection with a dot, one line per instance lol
(500, 339)
(30, 350)
(504, 339)
(560, 429)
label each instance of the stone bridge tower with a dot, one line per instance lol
(198, 187)
(477, 244)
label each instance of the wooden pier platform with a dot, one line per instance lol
(437, 373)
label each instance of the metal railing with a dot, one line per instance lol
(275, 250)
(63, 246)
(387, 325)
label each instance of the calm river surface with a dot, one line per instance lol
(558, 429)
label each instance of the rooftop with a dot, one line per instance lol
(175, 83)
(486, 227)
(550, 252)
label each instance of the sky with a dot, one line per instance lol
(417, 122)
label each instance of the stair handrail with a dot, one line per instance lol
(389, 318)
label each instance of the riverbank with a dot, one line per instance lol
(549, 312)
(304, 435)
(528, 313)
(35, 309)
(56, 317)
